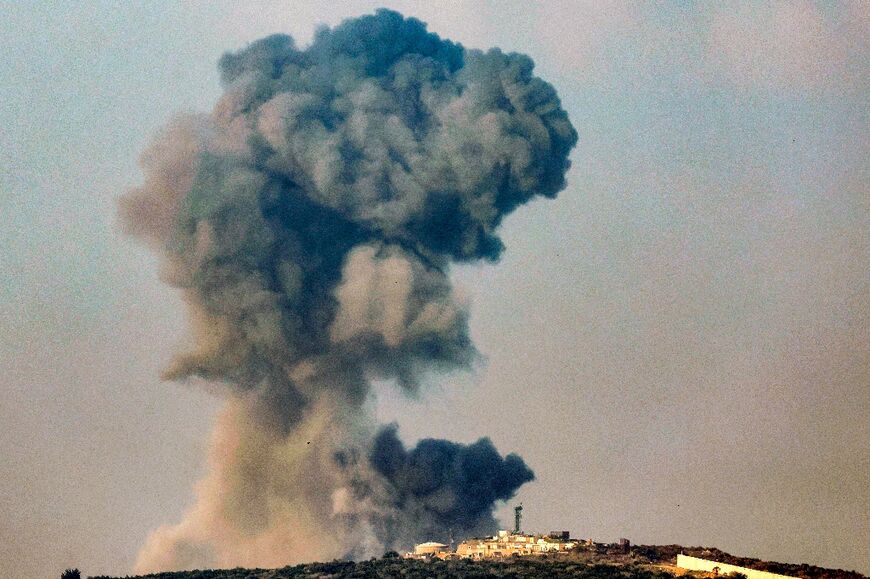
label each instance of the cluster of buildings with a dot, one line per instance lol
(507, 544)
(504, 544)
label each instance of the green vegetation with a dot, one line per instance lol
(414, 569)
(598, 561)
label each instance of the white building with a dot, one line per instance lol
(696, 564)
(428, 549)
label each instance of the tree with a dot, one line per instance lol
(71, 574)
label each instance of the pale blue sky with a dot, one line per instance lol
(677, 345)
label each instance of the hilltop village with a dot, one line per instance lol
(505, 544)
(516, 544)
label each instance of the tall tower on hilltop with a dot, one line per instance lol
(518, 517)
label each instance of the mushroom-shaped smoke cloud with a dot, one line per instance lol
(310, 221)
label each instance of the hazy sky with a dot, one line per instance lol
(677, 345)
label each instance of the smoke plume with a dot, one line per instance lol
(310, 221)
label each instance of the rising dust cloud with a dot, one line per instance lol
(310, 222)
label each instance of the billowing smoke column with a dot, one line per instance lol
(310, 221)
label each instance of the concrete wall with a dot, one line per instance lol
(695, 564)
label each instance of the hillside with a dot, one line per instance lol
(416, 569)
(596, 561)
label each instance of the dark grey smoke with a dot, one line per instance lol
(310, 221)
(449, 487)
